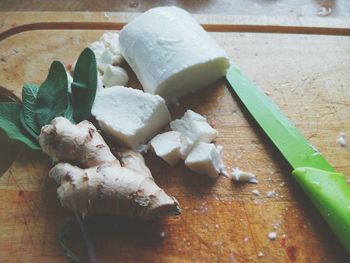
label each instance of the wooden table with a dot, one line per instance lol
(257, 8)
(306, 75)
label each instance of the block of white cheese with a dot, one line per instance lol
(168, 146)
(170, 52)
(205, 159)
(114, 76)
(195, 128)
(129, 115)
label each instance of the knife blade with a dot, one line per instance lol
(326, 188)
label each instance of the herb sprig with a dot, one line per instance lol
(40, 105)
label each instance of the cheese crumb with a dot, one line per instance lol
(256, 192)
(342, 140)
(261, 254)
(272, 235)
(271, 194)
(241, 176)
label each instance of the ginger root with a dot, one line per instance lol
(93, 181)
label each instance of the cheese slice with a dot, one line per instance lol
(170, 52)
(129, 115)
(205, 159)
(195, 128)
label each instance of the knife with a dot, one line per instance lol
(327, 189)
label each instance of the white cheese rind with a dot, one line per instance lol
(170, 52)
(205, 159)
(195, 128)
(168, 146)
(129, 115)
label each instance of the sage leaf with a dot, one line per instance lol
(84, 85)
(69, 111)
(9, 151)
(11, 125)
(52, 98)
(27, 114)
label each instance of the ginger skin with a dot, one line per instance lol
(93, 181)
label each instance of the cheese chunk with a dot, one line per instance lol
(114, 76)
(168, 146)
(129, 115)
(205, 159)
(170, 52)
(107, 50)
(195, 128)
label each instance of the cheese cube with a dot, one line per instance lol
(129, 115)
(114, 76)
(205, 159)
(168, 146)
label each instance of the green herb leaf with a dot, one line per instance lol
(84, 85)
(9, 151)
(11, 125)
(27, 114)
(69, 111)
(52, 98)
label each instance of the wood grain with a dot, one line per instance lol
(306, 75)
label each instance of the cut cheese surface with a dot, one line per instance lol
(129, 115)
(205, 159)
(170, 52)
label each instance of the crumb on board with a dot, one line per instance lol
(272, 235)
(342, 139)
(256, 192)
(271, 194)
(241, 176)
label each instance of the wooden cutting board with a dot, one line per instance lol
(306, 75)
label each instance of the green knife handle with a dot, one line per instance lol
(330, 193)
